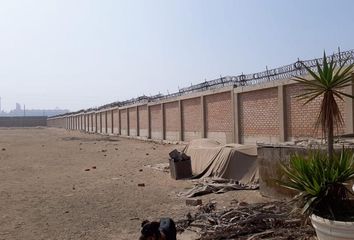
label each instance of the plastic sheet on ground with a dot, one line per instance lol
(206, 186)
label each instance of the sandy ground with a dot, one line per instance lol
(45, 192)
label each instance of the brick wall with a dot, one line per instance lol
(259, 116)
(115, 121)
(218, 116)
(94, 122)
(192, 118)
(24, 121)
(301, 118)
(123, 119)
(156, 121)
(132, 122)
(143, 121)
(109, 121)
(172, 121)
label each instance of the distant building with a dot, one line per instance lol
(18, 111)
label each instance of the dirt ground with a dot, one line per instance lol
(45, 192)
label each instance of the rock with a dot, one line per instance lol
(194, 202)
(104, 150)
(242, 204)
(4, 149)
(87, 169)
(141, 184)
(147, 154)
(140, 170)
(94, 167)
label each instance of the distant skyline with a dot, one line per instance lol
(61, 53)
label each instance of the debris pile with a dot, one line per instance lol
(216, 185)
(273, 220)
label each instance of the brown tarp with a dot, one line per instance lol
(209, 158)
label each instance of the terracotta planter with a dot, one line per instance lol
(332, 230)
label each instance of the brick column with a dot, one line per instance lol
(282, 113)
(202, 104)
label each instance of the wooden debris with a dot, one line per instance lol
(274, 220)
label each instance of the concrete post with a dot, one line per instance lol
(112, 122)
(149, 121)
(282, 113)
(163, 123)
(202, 104)
(106, 120)
(349, 109)
(120, 122)
(137, 121)
(128, 125)
(235, 117)
(180, 113)
(95, 122)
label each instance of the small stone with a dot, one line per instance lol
(242, 204)
(94, 167)
(147, 154)
(4, 149)
(87, 169)
(140, 170)
(105, 155)
(194, 202)
(141, 184)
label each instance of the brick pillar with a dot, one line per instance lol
(282, 113)
(163, 123)
(120, 122)
(137, 121)
(180, 112)
(349, 109)
(202, 104)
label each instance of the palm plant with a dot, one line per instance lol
(328, 82)
(321, 183)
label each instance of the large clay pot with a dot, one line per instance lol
(332, 230)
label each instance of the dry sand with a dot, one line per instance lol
(45, 192)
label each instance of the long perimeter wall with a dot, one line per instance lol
(267, 112)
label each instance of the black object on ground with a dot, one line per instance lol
(180, 165)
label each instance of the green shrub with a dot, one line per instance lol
(322, 183)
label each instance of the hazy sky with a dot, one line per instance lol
(79, 54)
